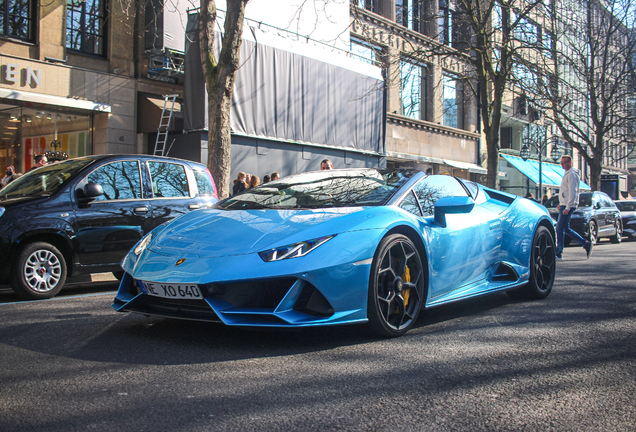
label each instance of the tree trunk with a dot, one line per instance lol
(219, 77)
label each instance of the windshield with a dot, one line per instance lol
(44, 181)
(585, 200)
(322, 189)
(628, 206)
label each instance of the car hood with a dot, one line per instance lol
(213, 233)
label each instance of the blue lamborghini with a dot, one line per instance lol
(341, 247)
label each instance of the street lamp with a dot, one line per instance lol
(541, 145)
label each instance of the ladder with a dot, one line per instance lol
(164, 124)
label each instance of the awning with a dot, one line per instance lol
(551, 174)
(471, 167)
(22, 96)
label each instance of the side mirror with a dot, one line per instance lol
(451, 205)
(89, 193)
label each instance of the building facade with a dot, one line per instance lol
(74, 79)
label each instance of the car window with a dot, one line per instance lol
(552, 202)
(119, 180)
(169, 180)
(606, 201)
(204, 183)
(432, 188)
(409, 203)
(626, 206)
(472, 187)
(585, 200)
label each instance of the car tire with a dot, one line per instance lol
(618, 237)
(396, 287)
(593, 237)
(542, 266)
(39, 272)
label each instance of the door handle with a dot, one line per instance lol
(140, 210)
(194, 206)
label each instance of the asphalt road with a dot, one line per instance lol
(566, 363)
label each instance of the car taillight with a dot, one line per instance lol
(215, 193)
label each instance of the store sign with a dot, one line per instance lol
(13, 74)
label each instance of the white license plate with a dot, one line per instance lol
(168, 290)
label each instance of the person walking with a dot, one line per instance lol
(40, 161)
(254, 181)
(9, 177)
(239, 184)
(568, 201)
(326, 165)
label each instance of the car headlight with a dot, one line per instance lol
(143, 244)
(293, 250)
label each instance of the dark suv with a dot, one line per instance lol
(595, 217)
(83, 215)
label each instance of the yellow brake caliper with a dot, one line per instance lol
(406, 277)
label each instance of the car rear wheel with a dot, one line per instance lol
(618, 237)
(542, 267)
(396, 287)
(593, 233)
(39, 272)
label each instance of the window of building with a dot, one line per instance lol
(16, 19)
(86, 26)
(453, 101)
(526, 31)
(413, 90)
(363, 51)
(370, 5)
(408, 13)
(446, 18)
(525, 77)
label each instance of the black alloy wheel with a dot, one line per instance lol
(542, 265)
(396, 287)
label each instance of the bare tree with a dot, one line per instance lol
(219, 77)
(588, 88)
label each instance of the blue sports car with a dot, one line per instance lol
(341, 247)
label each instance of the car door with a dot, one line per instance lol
(110, 225)
(462, 252)
(173, 190)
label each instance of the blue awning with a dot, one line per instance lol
(551, 174)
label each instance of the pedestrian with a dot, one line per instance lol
(9, 176)
(248, 178)
(326, 165)
(266, 178)
(40, 161)
(530, 196)
(545, 199)
(568, 201)
(275, 176)
(254, 181)
(239, 184)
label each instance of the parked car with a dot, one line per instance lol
(596, 217)
(628, 216)
(83, 215)
(341, 247)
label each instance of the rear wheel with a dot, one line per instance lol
(39, 272)
(593, 238)
(542, 266)
(396, 287)
(618, 237)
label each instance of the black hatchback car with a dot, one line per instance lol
(595, 217)
(83, 215)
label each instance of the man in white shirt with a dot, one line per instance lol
(568, 201)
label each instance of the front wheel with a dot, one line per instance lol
(39, 272)
(396, 287)
(618, 237)
(542, 265)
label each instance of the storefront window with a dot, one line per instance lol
(27, 132)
